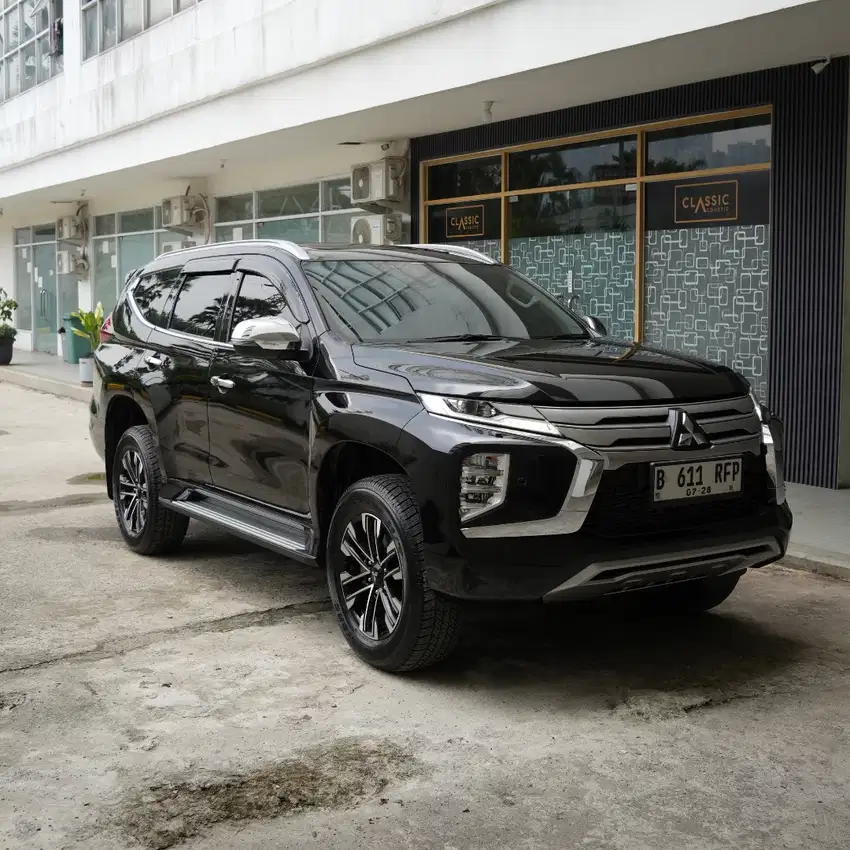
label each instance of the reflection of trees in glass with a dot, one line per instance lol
(258, 299)
(614, 159)
(151, 296)
(459, 179)
(572, 213)
(671, 165)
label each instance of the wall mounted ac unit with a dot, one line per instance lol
(65, 262)
(183, 211)
(378, 182)
(376, 229)
(69, 228)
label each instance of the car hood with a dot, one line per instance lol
(552, 372)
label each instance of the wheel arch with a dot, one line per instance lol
(344, 463)
(122, 413)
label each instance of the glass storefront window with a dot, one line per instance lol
(707, 270)
(580, 245)
(608, 159)
(44, 233)
(104, 225)
(292, 200)
(476, 225)
(234, 208)
(718, 144)
(104, 272)
(133, 221)
(337, 228)
(293, 229)
(234, 232)
(482, 176)
(336, 194)
(23, 288)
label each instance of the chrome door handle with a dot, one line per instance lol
(222, 384)
(154, 362)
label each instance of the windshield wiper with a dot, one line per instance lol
(464, 338)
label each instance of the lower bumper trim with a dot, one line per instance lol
(619, 576)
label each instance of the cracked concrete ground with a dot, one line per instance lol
(207, 701)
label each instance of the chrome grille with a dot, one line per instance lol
(729, 420)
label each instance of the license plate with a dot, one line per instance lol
(671, 481)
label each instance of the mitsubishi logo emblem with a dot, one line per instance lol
(685, 434)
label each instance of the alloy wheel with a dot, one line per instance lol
(133, 492)
(371, 579)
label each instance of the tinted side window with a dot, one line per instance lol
(258, 299)
(153, 295)
(199, 303)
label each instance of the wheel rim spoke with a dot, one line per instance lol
(372, 579)
(351, 547)
(373, 528)
(368, 620)
(133, 493)
(392, 608)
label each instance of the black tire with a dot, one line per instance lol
(691, 597)
(427, 625)
(158, 529)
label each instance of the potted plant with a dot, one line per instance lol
(90, 322)
(7, 332)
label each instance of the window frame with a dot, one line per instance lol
(55, 57)
(256, 220)
(638, 182)
(85, 5)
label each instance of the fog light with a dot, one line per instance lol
(483, 484)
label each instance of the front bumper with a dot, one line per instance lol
(582, 566)
(604, 534)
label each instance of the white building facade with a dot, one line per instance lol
(260, 108)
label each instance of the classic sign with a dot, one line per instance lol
(464, 222)
(706, 202)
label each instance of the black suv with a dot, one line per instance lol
(430, 427)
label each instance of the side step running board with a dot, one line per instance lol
(284, 534)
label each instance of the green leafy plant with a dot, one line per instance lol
(7, 305)
(91, 322)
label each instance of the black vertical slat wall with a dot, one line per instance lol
(810, 114)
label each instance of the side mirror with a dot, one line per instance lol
(268, 335)
(596, 325)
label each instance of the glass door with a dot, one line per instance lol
(45, 298)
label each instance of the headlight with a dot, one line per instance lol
(483, 484)
(487, 413)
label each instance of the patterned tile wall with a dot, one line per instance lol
(603, 273)
(707, 294)
(491, 247)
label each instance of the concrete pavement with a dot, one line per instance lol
(207, 700)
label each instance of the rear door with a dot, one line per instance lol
(178, 361)
(260, 416)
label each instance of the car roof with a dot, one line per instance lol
(281, 248)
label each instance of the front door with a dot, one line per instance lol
(46, 298)
(259, 414)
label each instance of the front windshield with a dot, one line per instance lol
(402, 300)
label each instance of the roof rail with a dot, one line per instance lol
(290, 247)
(457, 250)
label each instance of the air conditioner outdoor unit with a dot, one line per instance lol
(376, 230)
(69, 228)
(65, 262)
(182, 211)
(378, 182)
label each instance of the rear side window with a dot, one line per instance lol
(153, 295)
(258, 299)
(199, 304)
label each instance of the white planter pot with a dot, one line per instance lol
(86, 370)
